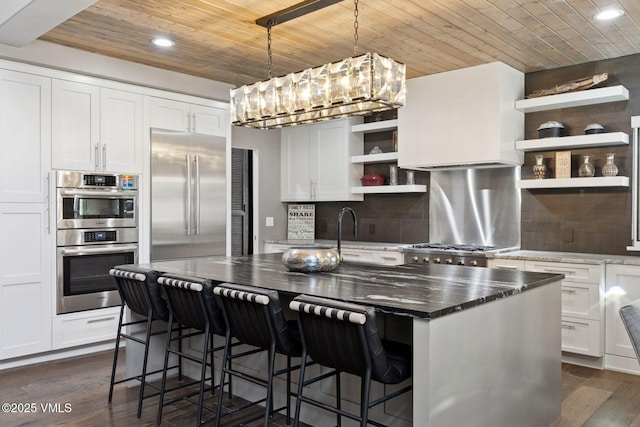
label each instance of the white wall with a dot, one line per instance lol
(266, 148)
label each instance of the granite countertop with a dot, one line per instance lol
(418, 291)
(577, 258)
(351, 244)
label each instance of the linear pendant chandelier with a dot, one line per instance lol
(357, 85)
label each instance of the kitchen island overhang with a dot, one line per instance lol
(486, 342)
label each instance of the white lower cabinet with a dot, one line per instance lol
(582, 301)
(85, 327)
(25, 279)
(622, 287)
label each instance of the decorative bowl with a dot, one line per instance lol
(593, 128)
(372, 179)
(309, 259)
(550, 129)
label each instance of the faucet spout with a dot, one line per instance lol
(355, 226)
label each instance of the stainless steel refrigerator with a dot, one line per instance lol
(188, 195)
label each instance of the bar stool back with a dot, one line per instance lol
(139, 291)
(191, 304)
(344, 337)
(630, 315)
(254, 316)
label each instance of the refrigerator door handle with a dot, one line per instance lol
(188, 201)
(197, 188)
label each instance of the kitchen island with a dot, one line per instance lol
(486, 343)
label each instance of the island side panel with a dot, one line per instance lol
(496, 364)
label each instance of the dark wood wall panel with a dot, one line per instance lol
(582, 220)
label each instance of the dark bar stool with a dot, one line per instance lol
(254, 316)
(630, 315)
(191, 304)
(344, 337)
(139, 291)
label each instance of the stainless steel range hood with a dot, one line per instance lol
(475, 206)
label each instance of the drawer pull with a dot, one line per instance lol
(508, 267)
(570, 327)
(568, 291)
(568, 272)
(390, 258)
(351, 254)
(105, 319)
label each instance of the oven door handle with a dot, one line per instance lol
(105, 194)
(85, 250)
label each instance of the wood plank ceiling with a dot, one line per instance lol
(218, 39)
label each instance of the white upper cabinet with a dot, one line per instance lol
(121, 131)
(182, 116)
(25, 137)
(462, 118)
(316, 161)
(96, 129)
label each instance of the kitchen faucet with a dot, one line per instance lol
(355, 226)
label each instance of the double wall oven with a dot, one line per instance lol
(96, 229)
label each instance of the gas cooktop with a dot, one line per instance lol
(452, 247)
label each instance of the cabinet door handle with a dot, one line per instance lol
(558, 271)
(568, 291)
(188, 122)
(189, 182)
(97, 158)
(46, 199)
(507, 267)
(193, 122)
(105, 319)
(197, 185)
(104, 157)
(570, 327)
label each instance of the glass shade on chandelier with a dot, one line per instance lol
(357, 85)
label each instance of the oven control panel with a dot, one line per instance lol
(100, 236)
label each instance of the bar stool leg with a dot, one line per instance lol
(268, 405)
(364, 398)
(164, 369)
(288, 390)
(338, 400)
(203, 374)
(225, 359)
(115, 354)
(303, 365)
(143, 375)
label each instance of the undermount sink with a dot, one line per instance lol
(310, 259)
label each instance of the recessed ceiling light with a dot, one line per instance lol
(163, 42)
(608, 14)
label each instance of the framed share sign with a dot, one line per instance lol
(301, 222)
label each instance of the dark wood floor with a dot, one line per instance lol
(589, 397)
(83, 383)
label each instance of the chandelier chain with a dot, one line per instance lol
(355, 28)
(270, 60)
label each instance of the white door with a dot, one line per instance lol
(25, 279)
(622, 286)
(75, 126)
(120, 131)
(25, 137)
